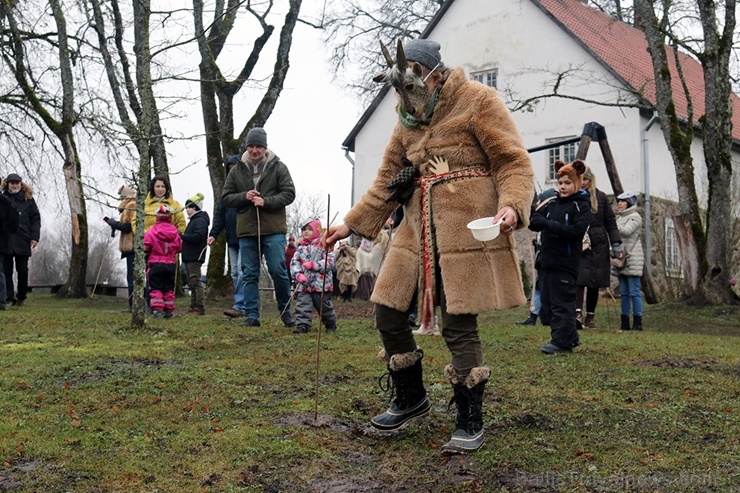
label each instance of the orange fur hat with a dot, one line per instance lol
(574, 170)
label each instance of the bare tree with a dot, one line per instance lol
(217, 92)
(55, 114)
(707, 247)
(353, 28)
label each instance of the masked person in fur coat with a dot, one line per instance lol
(346, 266)
(455, 155)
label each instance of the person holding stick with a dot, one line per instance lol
(311, 268)
(260, 188)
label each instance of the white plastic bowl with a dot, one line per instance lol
(484, 229)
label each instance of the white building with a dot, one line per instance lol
(522, 47)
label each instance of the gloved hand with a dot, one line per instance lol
(113, 225)
(308, 265)
(537, 222)
(301, 279)
(617, 250)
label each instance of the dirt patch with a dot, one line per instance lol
(678, 363)
(353, 310)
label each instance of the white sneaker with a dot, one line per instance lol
(433, 331)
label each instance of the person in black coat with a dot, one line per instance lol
(24, 240)
(595, 270)
(9, 221)
(562, 222)
(194, 242)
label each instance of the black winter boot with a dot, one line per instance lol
(404, 379)
(637, 323)
(625, 323)
(468, 435)
(531, 320)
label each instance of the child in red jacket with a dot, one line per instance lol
(162, 243)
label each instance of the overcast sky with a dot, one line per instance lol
(312, 118)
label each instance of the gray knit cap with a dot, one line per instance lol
(257, 137)
(629, 197)
(424, 51)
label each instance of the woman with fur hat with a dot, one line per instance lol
(127, 210)
(562, 221)
(455, 155)
(595, 270)
(311, 267)
(23, 241)
(629, 223)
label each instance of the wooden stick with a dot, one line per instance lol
(321, 317)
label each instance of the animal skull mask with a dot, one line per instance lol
(414, 98)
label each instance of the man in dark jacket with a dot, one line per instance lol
(9, 220)
(225, 219)
(194, 241)
(260, 188)
(23, 240)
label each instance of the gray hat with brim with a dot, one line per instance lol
(424, 51)
(629, 197)
(14, 177)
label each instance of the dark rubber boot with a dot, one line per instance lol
(637, 325)
(531, 320)
(625, 323)
(468, 435)
(404, 379)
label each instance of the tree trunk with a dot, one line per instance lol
(678, 137)
(717, 141)
(75, 287)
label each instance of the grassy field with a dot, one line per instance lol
(200, 404)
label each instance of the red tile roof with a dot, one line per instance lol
(622, 49)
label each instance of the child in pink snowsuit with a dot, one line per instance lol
(162, 243)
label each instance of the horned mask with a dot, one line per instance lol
(415, 101)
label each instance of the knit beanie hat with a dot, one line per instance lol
(315, 225)
(629, 197)
(196, 201)
(164, 213)
(424, 51)
(257, 137)
(126, 192)
(574, 170)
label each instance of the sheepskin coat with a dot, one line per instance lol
(29, 224)
(629, 223)
(470, 127)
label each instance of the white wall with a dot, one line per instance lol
(529, 50)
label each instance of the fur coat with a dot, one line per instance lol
(127, 208)
(470, 127)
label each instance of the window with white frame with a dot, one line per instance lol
(565, 152)
(672, 254)
(487, 77)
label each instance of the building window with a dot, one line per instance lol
(486, 77)
(672, 254)
(566, 153)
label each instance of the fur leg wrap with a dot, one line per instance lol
(477, 375)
